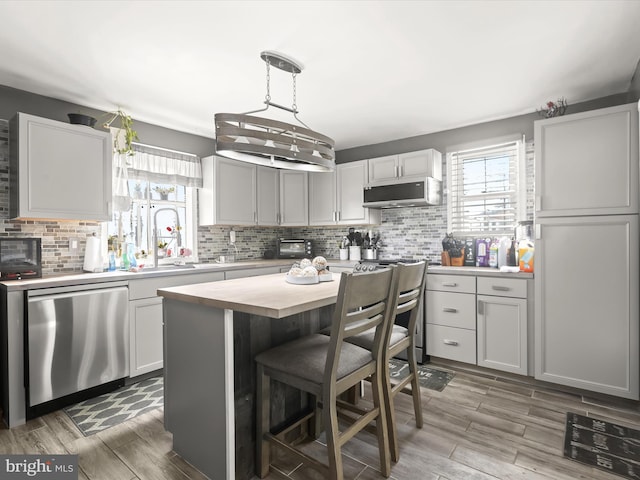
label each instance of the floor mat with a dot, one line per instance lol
(99, 413)
(603, 445)
(431, 378)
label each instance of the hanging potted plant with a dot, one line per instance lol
(122, 143)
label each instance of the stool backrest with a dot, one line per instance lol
(365, 301)
(409, 293)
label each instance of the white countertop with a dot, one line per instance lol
(120, 275)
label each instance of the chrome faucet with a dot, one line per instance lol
(156, 237)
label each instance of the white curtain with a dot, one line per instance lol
(159, 165)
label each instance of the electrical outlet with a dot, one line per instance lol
(232, 236)
(73, 246)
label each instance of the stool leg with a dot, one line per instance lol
(330, 417)
(263, 402)
(381, 423)
(390, 414)
(415, 384)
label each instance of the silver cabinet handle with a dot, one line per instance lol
(449, 310)
(480, 307)
(450, 342)
(500, 288)
(452, 284)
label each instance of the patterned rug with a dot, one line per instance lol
(429, 377)
(603, 445)
(99, 413)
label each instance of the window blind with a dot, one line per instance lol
(483, 190)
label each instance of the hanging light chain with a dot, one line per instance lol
(294, 106)
(267, 97)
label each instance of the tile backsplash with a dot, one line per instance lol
(404, 232)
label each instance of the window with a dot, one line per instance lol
(154, 189)
(485, 197)
(171, 214)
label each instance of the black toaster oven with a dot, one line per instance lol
(20, 258)
(295, 248)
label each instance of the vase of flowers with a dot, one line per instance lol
(164, 192)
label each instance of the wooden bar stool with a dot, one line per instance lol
(409, 295)
(326, 366)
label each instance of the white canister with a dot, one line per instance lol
(354, 253)
(344, 254)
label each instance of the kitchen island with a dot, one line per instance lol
(212, 332)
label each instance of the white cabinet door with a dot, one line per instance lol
(587, 163)
(351, 179)
(424, 163)
(228, 196)
(322, 198)
(586, 306)
(294, 198)
(59, 170)
(268, 195)
(383, 168)
(502, 333)
(419, 164)
(145, 323)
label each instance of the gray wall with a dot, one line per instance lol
(634, 88)
(441, 141)
(13, 100)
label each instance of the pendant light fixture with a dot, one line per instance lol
(264, 141)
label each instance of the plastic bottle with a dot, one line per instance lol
(525, 255)
(503, 249)
(493, 254)
(112, 261)
(125, 259)
(131, 254)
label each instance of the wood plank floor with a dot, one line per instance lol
(484, 425)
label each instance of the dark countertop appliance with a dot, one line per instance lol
(20, 258)
(295, 248)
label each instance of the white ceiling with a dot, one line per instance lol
(373, 70)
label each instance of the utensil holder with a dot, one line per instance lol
(354, 253)
(344, 254)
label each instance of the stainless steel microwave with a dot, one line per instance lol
(295, 248)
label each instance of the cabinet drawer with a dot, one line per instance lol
(451, 283)
(451, 309)
(503, 287)
(145, 288)
(452, 343)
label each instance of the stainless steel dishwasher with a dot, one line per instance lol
(77, 338)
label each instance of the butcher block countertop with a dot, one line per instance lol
(265, 295)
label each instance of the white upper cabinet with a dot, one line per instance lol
(587, 163)
(336, 198)
(294, 198)
(423, 163)
(268, 196)
(241, 193)
(322, 198)
(228, 196)
(59, 170)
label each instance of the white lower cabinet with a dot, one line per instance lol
(145, 342)
(480, 320)
(145, 318)
(502, 324)
(451, 317)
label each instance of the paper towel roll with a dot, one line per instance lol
(92, 255)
